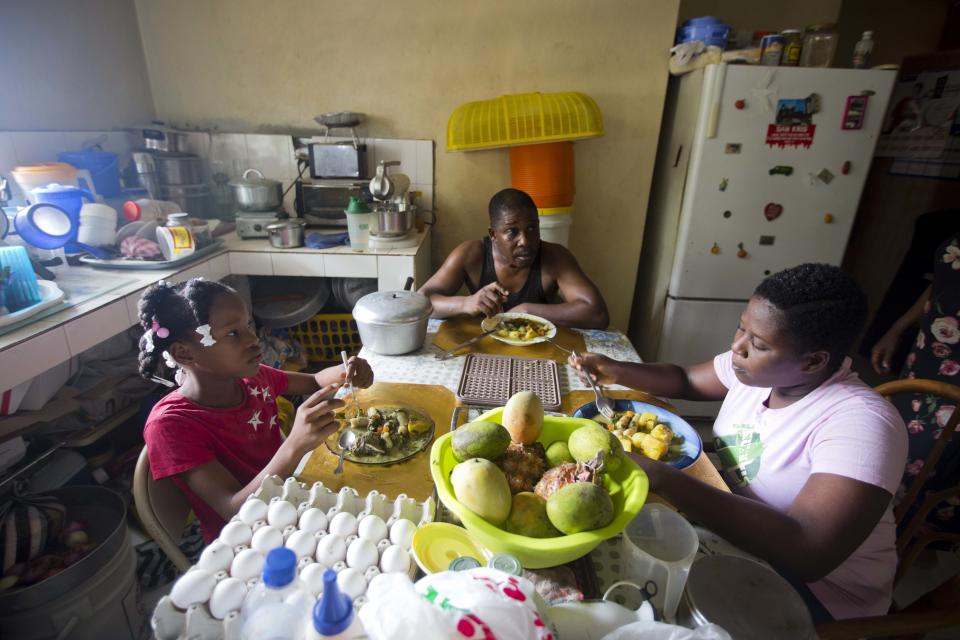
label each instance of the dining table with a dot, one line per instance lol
(427, 381)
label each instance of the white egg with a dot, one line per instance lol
(401, 533)
(252, 510)
(331, 549)
(344, 524)
(194, 587)
(312, 577)
(361, 554)
(216, 557)
(281, 514)
(227, 596)
(395, 560)
(247, 564)
(373, 528)
(313, 520)
(266, 538)
(236, 533)
(302, 543)
(352, 582)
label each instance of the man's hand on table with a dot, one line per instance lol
(598, 367)
(486, 301)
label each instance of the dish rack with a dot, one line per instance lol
(325, 335)
(197, 622)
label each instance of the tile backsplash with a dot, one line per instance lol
(229, 153)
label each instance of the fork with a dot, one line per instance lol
(604, 404)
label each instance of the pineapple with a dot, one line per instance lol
(524, 465)
(663, 433)
(652, 447)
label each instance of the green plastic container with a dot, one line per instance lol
(627, 486)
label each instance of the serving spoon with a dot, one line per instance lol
(346, 440)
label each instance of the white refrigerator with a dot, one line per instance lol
(776, 162)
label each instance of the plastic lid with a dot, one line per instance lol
(790, 31)
(131, 210)
(356, 205)
(702, 21)
(56, 188)
(280, 567)
(463, 563)
(868, 35)
(333, 612)
(436, 544)
(507, 563)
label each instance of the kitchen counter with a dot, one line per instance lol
(32, 349)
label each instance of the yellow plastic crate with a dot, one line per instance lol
(325, 335)
(523, 118)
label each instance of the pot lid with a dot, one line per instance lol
(254, 178)
(718, 586)
(295, 222)
(392, 307)
(286, 302)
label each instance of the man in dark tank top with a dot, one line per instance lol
(512, 270)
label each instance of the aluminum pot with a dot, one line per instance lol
(178, 168)
(257, 193)
(393, 223)
(286, 234)
(393, 322)
(165, 140)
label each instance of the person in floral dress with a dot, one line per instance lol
(935, 355)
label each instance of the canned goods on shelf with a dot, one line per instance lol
(771, 48)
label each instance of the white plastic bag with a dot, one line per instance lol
(648, 630)
(480, 603)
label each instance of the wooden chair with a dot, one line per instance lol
(940, 607)
(162, 508)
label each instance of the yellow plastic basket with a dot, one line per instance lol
(325, 335)
(523, 118)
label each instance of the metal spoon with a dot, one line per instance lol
(346, 440)
(353, 390)
(604, 404)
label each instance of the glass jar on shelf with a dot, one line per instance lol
(819, 45)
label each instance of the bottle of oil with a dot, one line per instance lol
(862, 50)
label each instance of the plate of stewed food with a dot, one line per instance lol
(384, 434)
(648, 430)
(519, 329)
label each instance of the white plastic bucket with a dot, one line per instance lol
(556, 228)
(659, 545)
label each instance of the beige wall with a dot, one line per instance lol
(758, 15)
(74, 64)
(250, 65)
(899, 28)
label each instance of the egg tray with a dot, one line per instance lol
(491, 380)
(197, 622)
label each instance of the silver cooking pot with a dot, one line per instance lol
(257, 193)
(286, 234)
(393, 322)
(393, 223)
(165, 140)
(178, 168)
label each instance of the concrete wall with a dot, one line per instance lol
(254, 66)
(71, 65)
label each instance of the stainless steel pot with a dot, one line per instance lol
(393, 223)
(257, 193)
(179, 168)
(393, 322)
(165, 140)
(286, 234)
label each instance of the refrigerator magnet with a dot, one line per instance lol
(828, 218)
(732, 147)
(772, 211)
(845, 169)
(854, 113)
(741, 252)
(781, 170)
(825, 176)
(740, 104)
(723, 184)
(715, 249)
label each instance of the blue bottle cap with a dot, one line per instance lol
(280, 567)
(333, 612)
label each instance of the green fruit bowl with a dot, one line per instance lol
(627, 486)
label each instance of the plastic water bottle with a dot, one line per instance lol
(279, 606)
(861, 51)
(333, 614)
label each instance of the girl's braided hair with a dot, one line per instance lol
(179, 308)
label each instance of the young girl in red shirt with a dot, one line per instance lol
(218, 434)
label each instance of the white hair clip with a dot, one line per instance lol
(169, 361)
(163, 381)
(148, 341)
(207, 339)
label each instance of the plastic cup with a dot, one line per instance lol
(659, 545)
(359, 226)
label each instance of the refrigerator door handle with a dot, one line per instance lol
(716, 91)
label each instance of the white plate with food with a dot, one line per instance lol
(519, 329)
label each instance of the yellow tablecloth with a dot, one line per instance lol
(455, 331)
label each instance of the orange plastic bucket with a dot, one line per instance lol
(545, 171)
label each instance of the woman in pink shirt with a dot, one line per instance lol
(812, 454)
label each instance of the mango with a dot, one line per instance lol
(481, 487)
(528, 517)
(580, 506)
(558, 453)
(523, 417)
(585, 442)
(481, 439)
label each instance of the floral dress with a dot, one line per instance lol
(935, 355)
